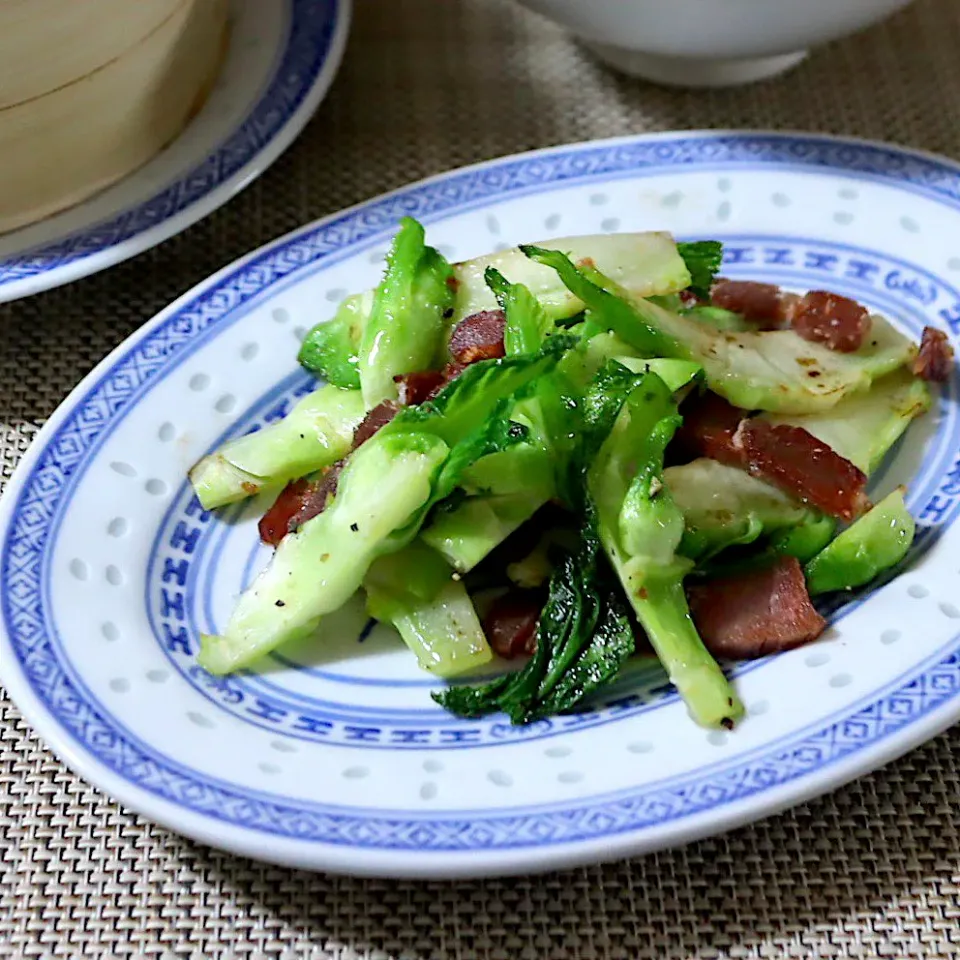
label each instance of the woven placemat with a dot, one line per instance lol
(871, 871)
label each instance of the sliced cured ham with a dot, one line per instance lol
(935, 359)
(708, 430)
(511, 623)
(837, 322)
(302, 500)
(416, 388)
(796, 461)
(757, 302)
(478, 337)
(299, 501)
(375, 420)
(789, 457)
(755, 614)
(275, 523)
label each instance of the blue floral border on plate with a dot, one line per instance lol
(912, 697)
(312, 26)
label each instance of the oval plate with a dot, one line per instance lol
(334, 756)
(280, 62)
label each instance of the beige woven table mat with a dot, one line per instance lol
(872, 871)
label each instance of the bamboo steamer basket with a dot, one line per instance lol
(46, 44)
(145, 68)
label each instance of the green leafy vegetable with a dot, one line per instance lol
(772, 370)
(603, 400)
(642, 263)
(407, 321)
(601, 346)
(581, 365)
(418, 459)
(606, 308)
(703, 259)
(330, 349)
(676, 374)
(583, 639)
(519, 469)
(526, 321)
(477, 525)
(719, 318)
(506, 489)
(805, 540)
(316, 569)
(724, 506)
(716, 317)
(776, 370)
(468, 401)
(877, 541)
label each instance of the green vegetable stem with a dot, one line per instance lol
(877, 541)
(641, 528)
(415, 590)
(317, 432)
(606, 308)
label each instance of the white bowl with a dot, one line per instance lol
(710, 43)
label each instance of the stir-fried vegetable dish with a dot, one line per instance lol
(573, 454)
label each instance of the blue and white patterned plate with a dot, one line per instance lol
(334, 757)
(281, 60)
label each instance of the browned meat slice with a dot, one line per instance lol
(299, 501)
(375, 419)
(318, 495)
(837, 322)
(788, 457)
(275, 523)
(757, 302)
(708, 430)
(935, 359)
(302, 500)
(414, 388)
(511, 623)
(796, 461)
(453, 370)
(755, 614)
(478, 337)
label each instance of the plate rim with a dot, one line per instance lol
(218, 194)
(422, 863)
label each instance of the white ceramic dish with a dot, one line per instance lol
(692, 43)
(335, 758)
(280, 62)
